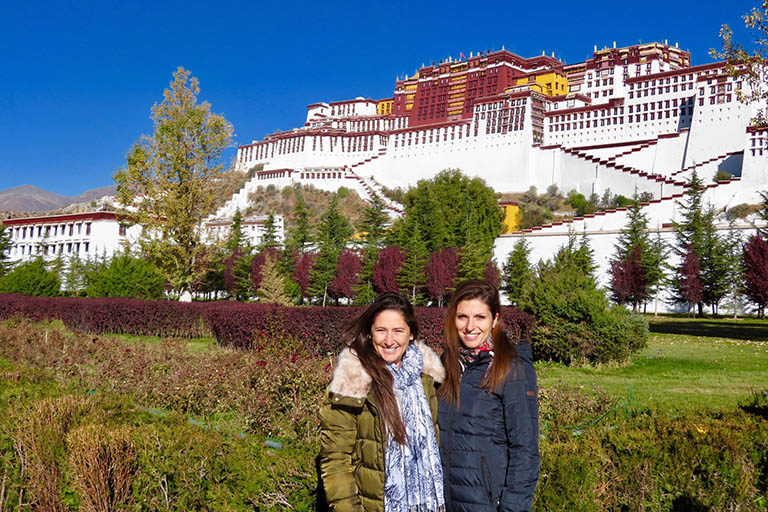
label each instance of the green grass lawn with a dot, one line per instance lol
(678, 372)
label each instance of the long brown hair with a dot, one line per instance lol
(504, 352)
(359, 339)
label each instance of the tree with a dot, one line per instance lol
(5, 245)
(31, 278)
(445, 207)
(411, 276)
(169, 179)
(299, 236)
(714, 263)
(333, 233)
(126, 275)
(76, 274)
(689, 279)
(269, 236)
(388, 263)
(516, 271)
(303, 265)
(237, 239)
(689, 233)
(441, 273)
(348, 268)
(747, 66)
(734, 269)
(237, 274)
(272, 286)
(475, 253)
(628, 279)
(637, 268)
(492, 274)
(755, 257)
(372, 231)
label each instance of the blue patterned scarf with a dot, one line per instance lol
(413, 474)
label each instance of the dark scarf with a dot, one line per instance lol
(468, 356)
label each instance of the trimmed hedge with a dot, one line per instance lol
(233, 324)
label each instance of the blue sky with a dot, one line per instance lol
(77, 79)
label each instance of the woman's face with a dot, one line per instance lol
(474, 322)
(391, 335)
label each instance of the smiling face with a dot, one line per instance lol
(474, 322)
(391, 335)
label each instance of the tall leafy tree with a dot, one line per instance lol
(517, 271)
(169, 178)
(386, 269)
(638, 262)
(348, 268)
(755, 258)
(749, 65)
(441, 273)
(447, 205)
(302, 269)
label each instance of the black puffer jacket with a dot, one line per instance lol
(490, 444)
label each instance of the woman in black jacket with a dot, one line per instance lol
(488, 413)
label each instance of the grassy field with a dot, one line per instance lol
(689, 364)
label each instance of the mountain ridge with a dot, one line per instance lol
(30, 198)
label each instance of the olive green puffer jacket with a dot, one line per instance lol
(352, 433)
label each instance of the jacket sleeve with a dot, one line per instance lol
(338, 430)
(521, 419)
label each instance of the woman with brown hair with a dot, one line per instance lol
(378, 425)
(488, 413)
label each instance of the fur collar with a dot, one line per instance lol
(350, 379)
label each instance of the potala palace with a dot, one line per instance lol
(639, 117)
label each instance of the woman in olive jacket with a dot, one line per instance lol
(379, 438)
(488, 412)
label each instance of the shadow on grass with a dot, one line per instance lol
(711, 328)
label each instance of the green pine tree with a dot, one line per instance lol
(5, 245)
(516, 271)
(333, 233)
(31, 278)
(237, 238)
(269, 237)
(372, 231)
(475, 252)
(714, 262)
(412, 278)
(300, 235)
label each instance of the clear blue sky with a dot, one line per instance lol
(77, 79)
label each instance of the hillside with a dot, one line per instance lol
(29, 199)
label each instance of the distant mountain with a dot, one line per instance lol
(29, 198)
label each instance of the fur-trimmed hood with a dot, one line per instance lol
(350, 378)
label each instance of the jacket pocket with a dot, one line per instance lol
(486, 474)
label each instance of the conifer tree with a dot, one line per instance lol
(237, 274)
(639, 280)
(734, 269)
(411, 277)
(372, 233)
(31, 278)
(237, 238)
(714, 263)
(300, 235)
(516, 272)
(272, 286)
(475, 253)
(333, 234)
(269, 235)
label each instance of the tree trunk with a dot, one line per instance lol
(325, 293)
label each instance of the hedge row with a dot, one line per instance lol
(233, 324)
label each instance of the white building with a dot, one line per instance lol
(253, 228)
(84, 235)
